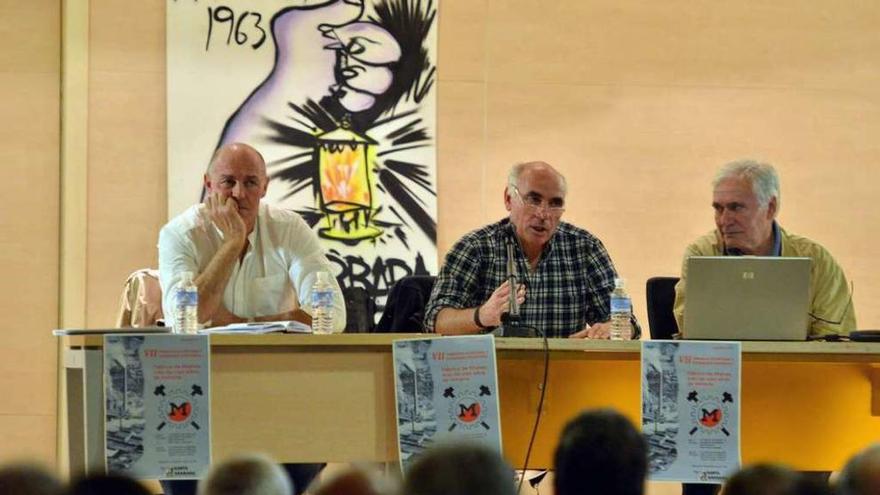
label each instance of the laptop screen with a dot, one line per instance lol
(747, 298)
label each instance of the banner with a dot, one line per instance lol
(157, 413)
(691, 409)
(446, 389)
(339, 96)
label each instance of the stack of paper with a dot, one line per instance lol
(261, 327)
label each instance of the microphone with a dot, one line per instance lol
(512, 280)
(510, 321)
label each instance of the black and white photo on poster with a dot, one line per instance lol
(691, 409)
(446, 389)
(157, 405)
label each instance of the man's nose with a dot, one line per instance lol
(236, 190)
(542, 211)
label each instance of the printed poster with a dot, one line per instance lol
(340, 98)
(446, 389)
(157, 415)
(691, 410)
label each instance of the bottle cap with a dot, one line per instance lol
(187, 276)
(619, 283)
(324, 277)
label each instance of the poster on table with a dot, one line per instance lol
(157, 415)
(691, 409)
(339, 97)
(446, 389)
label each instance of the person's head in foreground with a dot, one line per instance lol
(249, 474)
(459, 469)
(601, 452)
(861, 474)
(28, 479)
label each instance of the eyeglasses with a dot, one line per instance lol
(536, 204)
(838, 321)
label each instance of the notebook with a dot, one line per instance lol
(747, 298)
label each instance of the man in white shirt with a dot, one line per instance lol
(251, 261)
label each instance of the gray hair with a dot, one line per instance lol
(250, 474)
(517, 170)
(861, 474)
(762, 177)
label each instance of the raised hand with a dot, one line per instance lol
(498, 303)
(223, 211)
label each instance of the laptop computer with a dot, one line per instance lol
(747, 298)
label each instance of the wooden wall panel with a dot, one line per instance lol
(126, 188)
(29, 146)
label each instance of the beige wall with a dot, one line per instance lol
(29, 148)
(635, 101)
(638, 102)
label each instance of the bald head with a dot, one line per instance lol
(236, 151)
(536, 167)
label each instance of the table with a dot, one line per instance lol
(303, 398)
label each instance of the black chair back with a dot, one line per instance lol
(660, 293)
(405, 306)
(360, 309)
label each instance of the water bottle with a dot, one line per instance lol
(322, 304)
(621, 312)
(186, 305)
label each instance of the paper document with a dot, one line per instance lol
(261, 327)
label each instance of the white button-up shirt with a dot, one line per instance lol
(276, 274)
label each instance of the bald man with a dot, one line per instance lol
(251, 261)
(566, 273)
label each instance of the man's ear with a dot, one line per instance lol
(207, 181)
(507, 198)
(772, 207)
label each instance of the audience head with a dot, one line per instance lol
(861, 474)
(460, 469)
(745, 198)
(27, 479)
(246, 475)
(107, 484)
(600, 451)
(352, 481)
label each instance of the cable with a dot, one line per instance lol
(540, 404)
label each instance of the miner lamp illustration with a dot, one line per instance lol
(345, 168)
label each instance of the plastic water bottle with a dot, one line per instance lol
(322, 304)
(621, 312)
(186, 305)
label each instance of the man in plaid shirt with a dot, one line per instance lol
(566, 275)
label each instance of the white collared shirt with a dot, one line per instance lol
(275, 275)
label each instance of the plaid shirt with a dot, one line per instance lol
(571, 286)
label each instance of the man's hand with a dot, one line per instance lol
(223, 211)
(595, 331)
(498, 303)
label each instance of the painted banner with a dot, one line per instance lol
(339, 97)
(157, 414)
(691, 409)
(446, 389)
